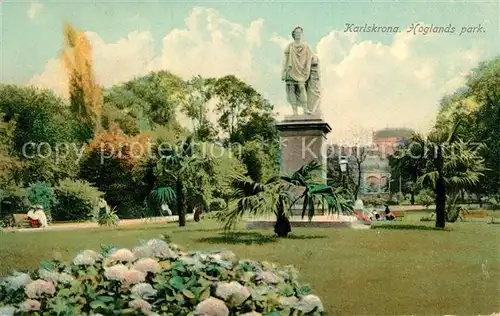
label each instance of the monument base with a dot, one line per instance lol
(320, 221)
(303, 139)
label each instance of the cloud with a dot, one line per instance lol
(34, 9)
(366, 84)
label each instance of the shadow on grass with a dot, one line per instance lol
(407, 227)
(249, 238)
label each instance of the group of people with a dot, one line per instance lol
(387, 214)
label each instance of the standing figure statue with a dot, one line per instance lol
(313, 87)
(301, 74)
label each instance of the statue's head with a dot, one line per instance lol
(297, 33)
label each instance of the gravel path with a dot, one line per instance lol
(124, 222)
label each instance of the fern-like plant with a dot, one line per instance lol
(107, 216)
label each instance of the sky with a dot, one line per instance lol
(370, 80)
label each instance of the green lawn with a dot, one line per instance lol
(389, 270)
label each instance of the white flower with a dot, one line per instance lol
(268, 277)
(38, 288)
(121, 273)
(142, 252)
(288, 300)
(308, 303)
(48, 275)
(7, 310)
(123, 255)
(17, 280)
(140, 304)
(30, 305)
(234, 292)
(117, 272)
(161, 249)
(87, 257)
(211, 307)
(65, 278)
(147, 265)
(216, 257)
(228, 255)
(143, 291)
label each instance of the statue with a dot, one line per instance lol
(313, 87)
(301, 75)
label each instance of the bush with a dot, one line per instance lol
(217, 204)
(157, 278)
(77, 200)
(425, 197)
(107, 216)
(43, 194)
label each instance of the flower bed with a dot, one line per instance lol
(156, 278)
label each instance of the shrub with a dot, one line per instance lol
(77, 200)
(425, 197)
(217, 205)
(41, 193)
(107, 216)
(13, 200)
(157, 278)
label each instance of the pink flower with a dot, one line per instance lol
(147, 265)
(30, 305)
(141, 304)
(38, 288)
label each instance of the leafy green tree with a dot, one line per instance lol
(183, 176)
(39, 124)
(450, 165)
(195, 107)
(41, 193)
(243, 113)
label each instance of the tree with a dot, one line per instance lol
(450, 165)
(85, 93)
(243, 113)
(277, 196)
(356, 156)
(109, 163)
(183, 177)
(406, 166)
(195, 106)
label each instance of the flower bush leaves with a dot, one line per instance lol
(157, 278)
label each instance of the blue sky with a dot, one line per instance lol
(370, 80)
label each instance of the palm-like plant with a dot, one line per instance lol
(450, 165)
(182, 177)
(315, 193)
(277, 196)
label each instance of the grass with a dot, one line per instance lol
(394, 269)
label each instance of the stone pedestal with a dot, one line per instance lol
(303, 139)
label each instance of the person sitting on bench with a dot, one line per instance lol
(388, 214)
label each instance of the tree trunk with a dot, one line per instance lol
(440, 190)
(412, 198)
(282, 226)
(356, 193)
(181, 211)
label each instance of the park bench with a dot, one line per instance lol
(398, 214)
(21, 220)
(475, 214)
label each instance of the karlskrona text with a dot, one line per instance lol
(370, 28)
